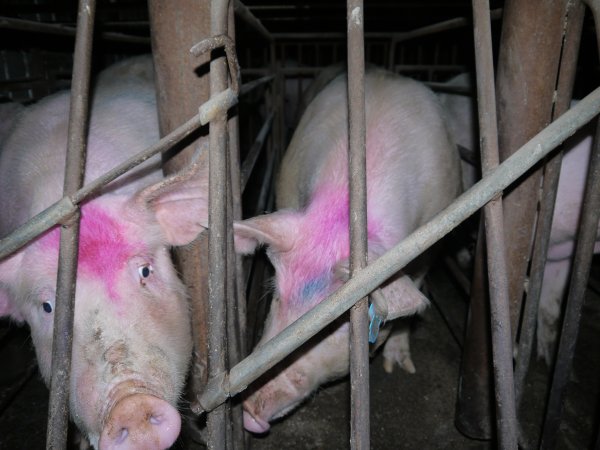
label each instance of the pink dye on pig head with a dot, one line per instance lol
(104, 247)
(306, 273)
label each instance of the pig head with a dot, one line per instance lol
(132, 338)
(412, 173)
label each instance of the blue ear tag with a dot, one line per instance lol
(374, 324)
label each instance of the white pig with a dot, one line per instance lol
(569, 197)
(413, 172)
(132, 339)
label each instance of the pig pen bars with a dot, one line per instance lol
(367, 279)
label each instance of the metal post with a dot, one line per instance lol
(58, 418)
(527, 68)
(218, 421)
(359, 319)
(564, 90)
(494, 232)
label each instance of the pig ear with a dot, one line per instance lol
(180, 202)
(8, 271)
(277, 230)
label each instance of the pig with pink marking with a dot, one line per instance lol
(413, 172)
(132, 339)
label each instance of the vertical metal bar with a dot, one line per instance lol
(498, 282)
(218, 420)
(584, 250)
(58, 419)
(564, 91)
(527, 68)
(236, 304)
(359, 327)
(176, 26)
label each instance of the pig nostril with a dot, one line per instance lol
(122, 436)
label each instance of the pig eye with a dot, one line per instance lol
(144, 272)
(48, 307)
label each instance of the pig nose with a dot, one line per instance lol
(255, 424)
(140, 421)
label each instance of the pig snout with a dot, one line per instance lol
(140, 421)
(255, 424)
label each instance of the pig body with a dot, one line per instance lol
(412, 173)
(462, 117)
(132, 339)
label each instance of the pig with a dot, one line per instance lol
(461, 113)
(132, 339)
(561, 246)
(413, 171)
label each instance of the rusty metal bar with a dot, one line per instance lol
(62, 337)
(357, 179)
(590, 214)
(246, 15)
(367, 279)
(506, 416)
(64, 30)
(566, 80)
(254, 152)
(219, 432)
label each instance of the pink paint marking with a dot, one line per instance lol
(323, 242)
(103, 247)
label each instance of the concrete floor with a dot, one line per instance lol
(407, 411)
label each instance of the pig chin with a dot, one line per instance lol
(325, 361)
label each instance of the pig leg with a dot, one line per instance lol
(556, 276)
(397, 348)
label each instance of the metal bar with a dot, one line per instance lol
(219, 435)
(564, 90)
(236, 300)
(367, 279)
(254, 152)
(517, 123)
(248, 87)
(62, 338)
(584, 251)
(64, 30)
(246, 15)
(65, 207)
(399, 36)
(498, 282)
(357, 179)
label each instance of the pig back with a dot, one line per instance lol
(413, 169)
(122, 123)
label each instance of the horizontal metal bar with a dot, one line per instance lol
(428, 30)
(64, 30)
(267, 355)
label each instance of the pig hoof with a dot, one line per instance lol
(140, 421)
(255, 424)
(403, 361)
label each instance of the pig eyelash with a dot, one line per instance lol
(48, 307)
(144, 272)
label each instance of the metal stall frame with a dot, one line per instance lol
(66, 209)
